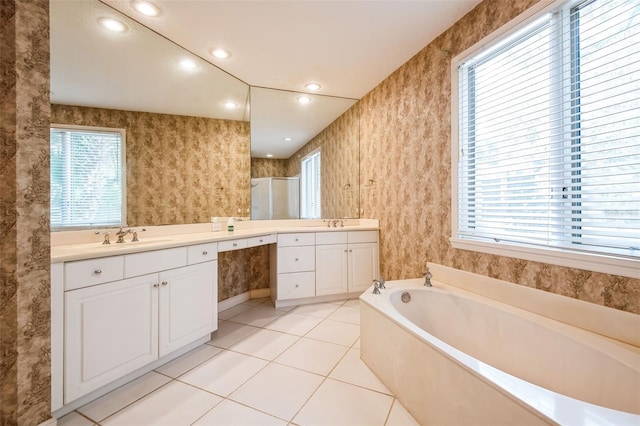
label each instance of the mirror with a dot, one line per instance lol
(283, 132)
(188, 157)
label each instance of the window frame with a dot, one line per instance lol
(123, 155)
(598, 262)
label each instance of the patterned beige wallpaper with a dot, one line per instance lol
(339, 165)
(268, 167)
(180, 169)
(25, 316)
(242, 270)
(405, 151)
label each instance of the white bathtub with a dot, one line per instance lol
(454, 357)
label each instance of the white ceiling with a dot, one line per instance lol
(348, 47)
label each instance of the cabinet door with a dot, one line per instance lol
(188, 305)
(331, 269)
(363, 265)
(110, 330)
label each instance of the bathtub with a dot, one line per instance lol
(453, 357)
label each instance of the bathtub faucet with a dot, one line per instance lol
(427, 279)
(376, 287)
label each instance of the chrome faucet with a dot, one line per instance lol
(106, 238)
(376, 287)
(427, 279)
(381, 282)
(135, 236)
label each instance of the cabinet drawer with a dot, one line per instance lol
(296, 259)
(262, 240)
(331, 238)
(301, 239)
(202, 253)
(296, 285)
(363, 237)
(85, 273)
(154, 261)
(232, 245)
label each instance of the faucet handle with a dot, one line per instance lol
(427, 278)
(106, 238)
(381, 282)
(376, 287)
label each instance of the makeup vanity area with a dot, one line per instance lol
(121, 310)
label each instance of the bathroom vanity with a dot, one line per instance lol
(121, 310)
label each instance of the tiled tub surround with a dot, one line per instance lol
(263, 366)
(482, 351)
(196, 243)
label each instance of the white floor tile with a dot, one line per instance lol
(294, 324)
(351, 369)
(223, 373)
(312, 355)
(231, 413)
(356, 345)
(399, 416)
(278, 390)
(337, 403)
(174, 404)
(337, 332)
(259, 316)
(265, 344)
(186, 362)
(346, 314)
(318, 310)
(74, 419)
(230, 333)
(119, 398)
(355, 303)
(233, 311)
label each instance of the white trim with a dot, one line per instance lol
(260, 293)
(591, 262)
(51, 422)
(225, 304)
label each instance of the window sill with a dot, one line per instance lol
(614, 265)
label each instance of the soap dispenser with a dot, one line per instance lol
(215, 225)
(230, 225)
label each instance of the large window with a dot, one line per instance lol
(547, 136)
(310, 207)
(87, 180)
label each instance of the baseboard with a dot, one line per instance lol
(260, 293)
(51, 422)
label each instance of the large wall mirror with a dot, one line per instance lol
(188, 154)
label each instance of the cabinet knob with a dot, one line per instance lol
(297, 286)
(297, 259)
(350, 251)
(164, 283)
(297, 240)
(97, 271)
(156, 285)
(235, 244)
(260, 240)
(204, 253)
(345, 250)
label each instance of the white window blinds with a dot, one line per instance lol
(310, 207)
(87, 183)
(549, 133)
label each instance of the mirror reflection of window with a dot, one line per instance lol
(310, 186)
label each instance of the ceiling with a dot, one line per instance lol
(348, 47)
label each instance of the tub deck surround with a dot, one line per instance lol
(448, 374)
(69, 246)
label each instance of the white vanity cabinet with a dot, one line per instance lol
(295, 266)
(346, 262)
(113, 328)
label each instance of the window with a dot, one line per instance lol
(546, 146)
(310, 186)
(87, 177)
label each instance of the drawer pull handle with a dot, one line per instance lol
(297, 286)
(97, 271)
(204, 253)
(260, 240)
(297, 259)
(235, 244)
(164, 283)
(297, 240)
(156, 285)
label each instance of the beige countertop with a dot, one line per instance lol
(90, 250)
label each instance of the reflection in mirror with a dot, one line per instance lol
(187, 157)
(330, 124)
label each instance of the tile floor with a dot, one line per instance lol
(265, 366)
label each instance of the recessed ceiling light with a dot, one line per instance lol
(146, 8)
(312, 86)
(113, 24)
(230, 105)
(269, 155)
(188, 64)
(303, 100)
(288, 139)
(220, 53)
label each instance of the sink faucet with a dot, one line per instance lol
(120, 234)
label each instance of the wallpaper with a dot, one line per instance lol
(268, 167)
(242, 270)
(339, 165)
(405, 180)
(25, 317)
(180, 169)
